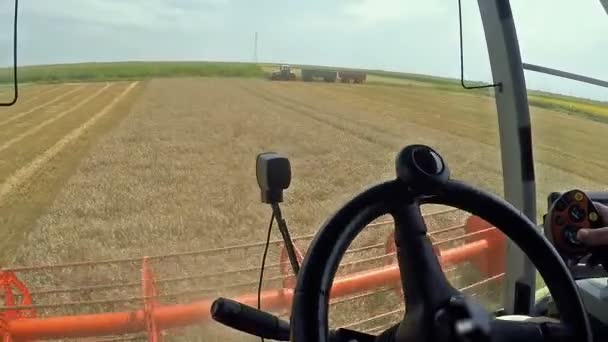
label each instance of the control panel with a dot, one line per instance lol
(568, 213)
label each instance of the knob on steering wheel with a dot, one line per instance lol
(435, 310)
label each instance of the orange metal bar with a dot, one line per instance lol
(462, 253)
(8, 284)
(149, 292)
(130, 322)
(173, 316)
(4, 334)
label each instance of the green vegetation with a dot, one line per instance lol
(594, 110)
(129, 70)
(591, 109)
(58, 73)
(434, 80)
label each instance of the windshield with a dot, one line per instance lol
(566, 128)
(568, 117)
(138, 126)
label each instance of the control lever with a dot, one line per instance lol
(263, 324)
(249, 320)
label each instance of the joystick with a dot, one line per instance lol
(570, 212)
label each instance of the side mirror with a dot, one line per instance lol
(8, 14)
(273, 172)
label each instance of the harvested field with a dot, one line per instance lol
(42, 139)
(191, 164)
(177, 174)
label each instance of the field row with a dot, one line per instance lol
(187, 140)
(463, 127)
(40, 139)
(186, 151)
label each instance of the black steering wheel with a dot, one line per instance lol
(435, 310)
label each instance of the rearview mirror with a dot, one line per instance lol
(9, 90)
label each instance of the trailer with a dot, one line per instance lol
(308, 75)
(356, 77)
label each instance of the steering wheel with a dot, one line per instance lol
(435, 311)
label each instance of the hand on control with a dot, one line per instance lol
(597, 240)
(599, 236)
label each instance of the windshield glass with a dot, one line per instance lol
(6, 52)
(568, 117)
(139, 123)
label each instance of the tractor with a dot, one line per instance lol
(284, 74)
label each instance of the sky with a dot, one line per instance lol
(400, 35)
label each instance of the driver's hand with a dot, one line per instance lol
(599, 236)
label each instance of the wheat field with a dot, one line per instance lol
(169, 167)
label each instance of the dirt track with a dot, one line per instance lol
(178, 172)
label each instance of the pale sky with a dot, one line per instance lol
(401, 35)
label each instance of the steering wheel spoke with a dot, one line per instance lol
(349, 335)
(422, 278)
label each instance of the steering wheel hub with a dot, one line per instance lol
(428, 161)
(421, 167)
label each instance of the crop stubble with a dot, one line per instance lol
(30, 175)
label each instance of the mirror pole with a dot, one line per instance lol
(515, 143)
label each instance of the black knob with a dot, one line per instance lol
(577, 214)
(570, 233)
(421, 168)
